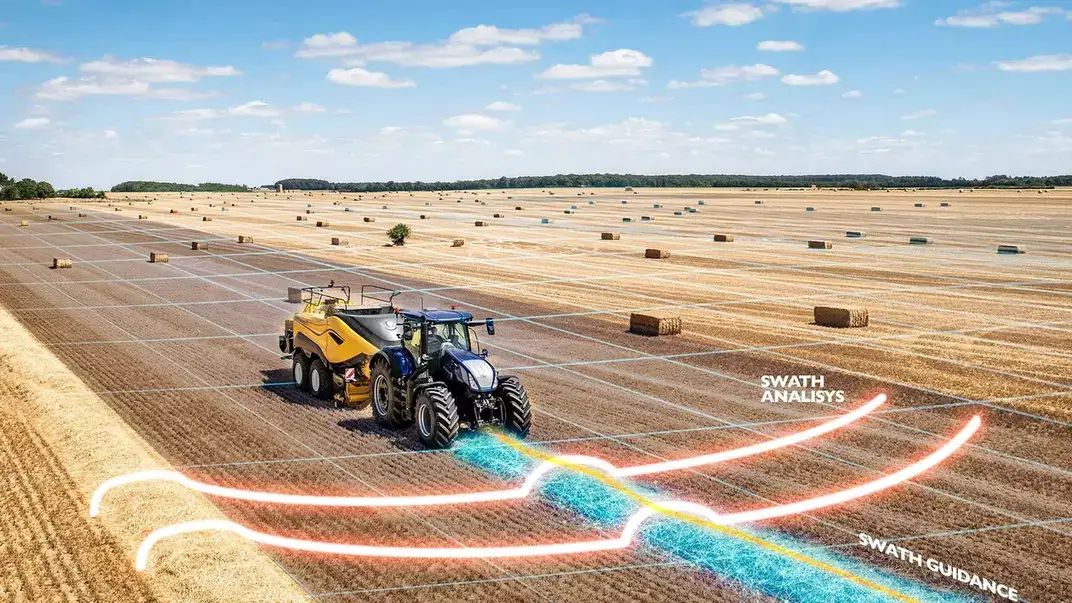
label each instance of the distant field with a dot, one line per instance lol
(181, 351)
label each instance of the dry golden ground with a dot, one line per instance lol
(954, 317)
(58, 442)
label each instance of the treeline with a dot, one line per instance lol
(145, 186)
(14, 190)
(80, 193)
(853, 181)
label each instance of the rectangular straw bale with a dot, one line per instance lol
(158, 258)
(820, 245)
(610, 236)
(458, 243)
(1012, 249)
(61, 262)
(294, 295)
(652, 325)
(841, 318)
(723, 238)
(657, 254)
(245, 239)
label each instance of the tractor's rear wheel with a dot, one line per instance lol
(437, 417)
(300, 370)
(320, 384)
(386, 402)
(517, 411)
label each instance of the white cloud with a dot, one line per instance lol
(479, 45)
(656, 99)
(1041, 62)
(1062, 122)
(853, 94)
(28, 55)
(900, 91)
(111, 134)
(33, 123)
(155, 70)
(308, 107)
(502, 106)
(613, 63)
(990, 14)
(196, 132)
(755, 96)
(780, 46)
(840, 5)
(770, 119)
(64, 88)
(911, 133)
(721, 76)
(514, 152)
(732, 14)
(923, 114)
(474, 121)
(489, 35)
(823, 78)
(250, 109)
(362, 77)
(606, 86)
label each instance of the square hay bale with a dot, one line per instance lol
(348, 209)
(610, 236)
(567, 211)
(723, 238)
(679, 213)
(919, 241)
(82, 215)
(245, 239)
(627, 219)
(759, 202)
(206, 219)
(61, 263)
(424, 217)
(370, 219)
(657, 206)
(158, 258)
(458, 243)
(700, 202)
(656, 254)
(481, 223)
(809, 208)
(322, 224)
(624, 202)
(294, 295)
(654, 326)
(1012, 249)
(301, 218)
(7, 209)
(339, 241)
(646, 218)
(855, 234)
(518, 208)
(197, 245)
(24, 223)
(309, 211)
(944, 204)
(49, 218)
(820, 245)
(173, 211)
(498, 215)
(691, 210)
(876, 208)
(193, 209)
(841, 318)
(920, 205)
(384, 207)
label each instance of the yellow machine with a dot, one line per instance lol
(332, 341)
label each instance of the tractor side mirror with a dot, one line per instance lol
(407, 331)
(484, 353)
(490, 325)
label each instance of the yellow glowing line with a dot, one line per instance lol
(655, 506)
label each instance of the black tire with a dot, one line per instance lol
(517, 411)
(300, 370)
(437, 417)
(320, 384)
(386, 402)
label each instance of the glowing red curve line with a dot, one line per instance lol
(628, 534)
(522, 491)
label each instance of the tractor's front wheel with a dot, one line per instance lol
(437, 417)
(320, 384)
(386, 402)
(300, 370)
(517, 411)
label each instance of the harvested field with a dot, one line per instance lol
(955, 330)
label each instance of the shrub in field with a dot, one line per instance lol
(399, 233)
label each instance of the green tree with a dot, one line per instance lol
(399, 233)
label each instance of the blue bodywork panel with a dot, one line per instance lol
(453, 364)
(399, 359)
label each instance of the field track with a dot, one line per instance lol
(186, 354)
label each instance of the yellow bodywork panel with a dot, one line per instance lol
(320, 330)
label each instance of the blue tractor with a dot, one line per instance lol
(437, 379)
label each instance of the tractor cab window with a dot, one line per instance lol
(447, 334)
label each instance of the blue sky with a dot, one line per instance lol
(99, 91)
